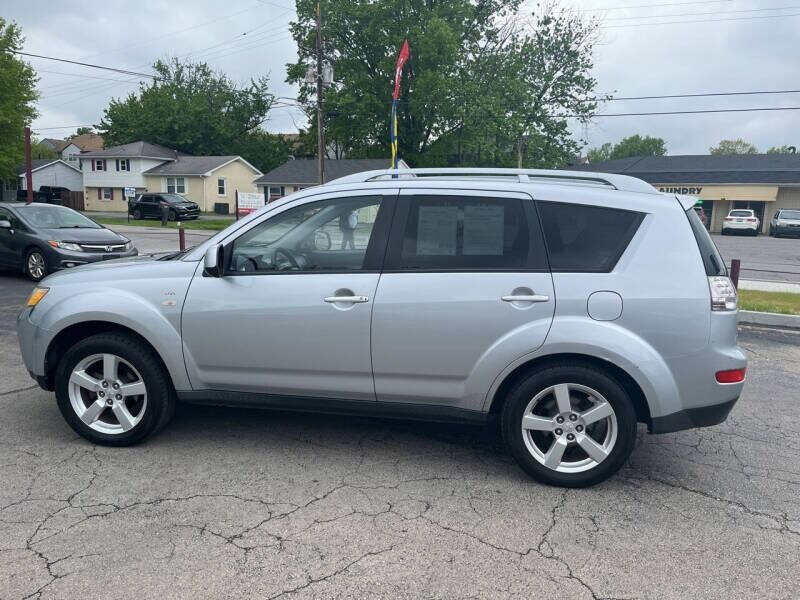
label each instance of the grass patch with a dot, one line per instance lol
(775, 302)
(209, 224)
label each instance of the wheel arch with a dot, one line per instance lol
(72, 334)
(629, 384)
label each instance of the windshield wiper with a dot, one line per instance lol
(77, 227)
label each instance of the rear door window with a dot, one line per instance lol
(465, 233)
(712, 261)
(584, 238)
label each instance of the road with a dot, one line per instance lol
(763, 257)
(230, 503)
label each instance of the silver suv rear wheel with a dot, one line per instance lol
(569, 427)
(570, 424)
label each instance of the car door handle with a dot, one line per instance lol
(350, 299)
(529, 298)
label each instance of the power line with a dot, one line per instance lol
(652, 5)
(83, 64)
(702, 95)
(685, 112)
(699, 21)
(701, 14)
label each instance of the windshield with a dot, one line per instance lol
(55, 217)
(790, 214)
(174, 198)
(741, 213)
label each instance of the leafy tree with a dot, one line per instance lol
(782, 150)
(17, 97)
(478, 89)
(193, 109)
(634, 145)
(81, 131)
(39, 150)
(601, 154)
(737, 146)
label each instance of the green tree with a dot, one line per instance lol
(782, 150)
(81, 131)
(633, 145)
(193, 109)
(601, 154)
(478, 89)
(17, 97)
(39, 150)
(737, 146)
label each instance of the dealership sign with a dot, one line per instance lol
(249, 201)
(687, 191)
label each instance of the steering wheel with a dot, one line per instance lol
(287, 255)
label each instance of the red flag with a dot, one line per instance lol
(405, 51)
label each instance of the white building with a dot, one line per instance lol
(52, 172)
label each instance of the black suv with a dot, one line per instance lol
(148, 206)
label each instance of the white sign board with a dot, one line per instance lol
(250, 201)
(130, 192)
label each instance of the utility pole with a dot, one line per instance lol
(320, 133)
(28, 167)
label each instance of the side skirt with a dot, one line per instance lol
(385, 410)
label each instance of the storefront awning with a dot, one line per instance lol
(754, 193)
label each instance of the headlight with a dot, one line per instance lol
(128, 245)
(36, 295)
(65, 246)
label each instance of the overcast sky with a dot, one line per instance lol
(749, 50)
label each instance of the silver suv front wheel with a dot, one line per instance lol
(113, 389)
(571, 425)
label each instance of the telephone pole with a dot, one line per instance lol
(320, 133)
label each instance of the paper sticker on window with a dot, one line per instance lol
(436, 230)
(483, 229)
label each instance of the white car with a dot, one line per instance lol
(741, 220)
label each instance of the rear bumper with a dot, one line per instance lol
(784, 230)
(703, 416)
(740, 226)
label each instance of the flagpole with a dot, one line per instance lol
(402, 57)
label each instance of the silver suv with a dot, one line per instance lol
(569, 306)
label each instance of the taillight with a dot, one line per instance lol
(751, 220)
(730, 376)
(723, 294)
(729, 218)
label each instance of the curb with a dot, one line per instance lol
(769, 319)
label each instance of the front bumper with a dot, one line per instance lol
(787, 230)
(33, 342)
(703, 416)
(64, 259)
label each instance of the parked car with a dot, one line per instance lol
(39, 239)
(546, 302)
(148, 206)
(785, 222)
(701, 214)
(741, 220)
(49, 194)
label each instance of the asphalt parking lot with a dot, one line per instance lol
(763, 257)
(229, 503)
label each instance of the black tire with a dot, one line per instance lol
(574, 373)
(161, 397)
(137, 214)
(172, 216)
(35, 276)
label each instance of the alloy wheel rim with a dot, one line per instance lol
(569, 428)
(107, 393)
(36, 265)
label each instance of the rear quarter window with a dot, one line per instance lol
(584, 238)
(712, 261)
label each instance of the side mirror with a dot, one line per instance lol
(214, 261)
(4, 224)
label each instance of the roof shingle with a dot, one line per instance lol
(303, 171)
(134, 150)
(191, 165)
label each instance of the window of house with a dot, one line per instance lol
(107, 194)
(176, 185)
(274, 192)
(123, 164)
(221, 190)
(582, 238)
(466, 233)
(72, 156)
(99, 164)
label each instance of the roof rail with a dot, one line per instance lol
(617, 182)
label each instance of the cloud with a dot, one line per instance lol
(757, 54)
